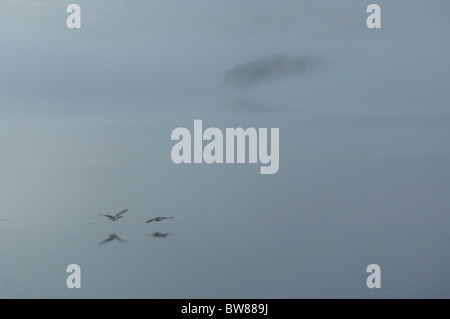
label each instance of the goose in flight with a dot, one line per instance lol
(160, 235)
(111, 238)
(116, 216)
(158, 219)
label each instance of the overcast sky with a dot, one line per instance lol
(134, 52)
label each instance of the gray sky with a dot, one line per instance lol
(138, 52)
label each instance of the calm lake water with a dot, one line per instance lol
(350, 192)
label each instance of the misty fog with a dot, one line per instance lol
(86, 117)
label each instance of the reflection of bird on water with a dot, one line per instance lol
(160, 235)
(116, 216)
(111, 238)
(158, 219)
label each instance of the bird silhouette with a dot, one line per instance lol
(116, 216)
(160, 235)
(158, 219)
(111, 238)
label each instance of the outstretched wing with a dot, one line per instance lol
(111, 237)
(109, 216)
(121, 240)
(105, 241)
(120, 213)
(151, 220)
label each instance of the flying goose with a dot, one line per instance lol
(158, 219)
(111, 238)
(116, 216)
(160, 235)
